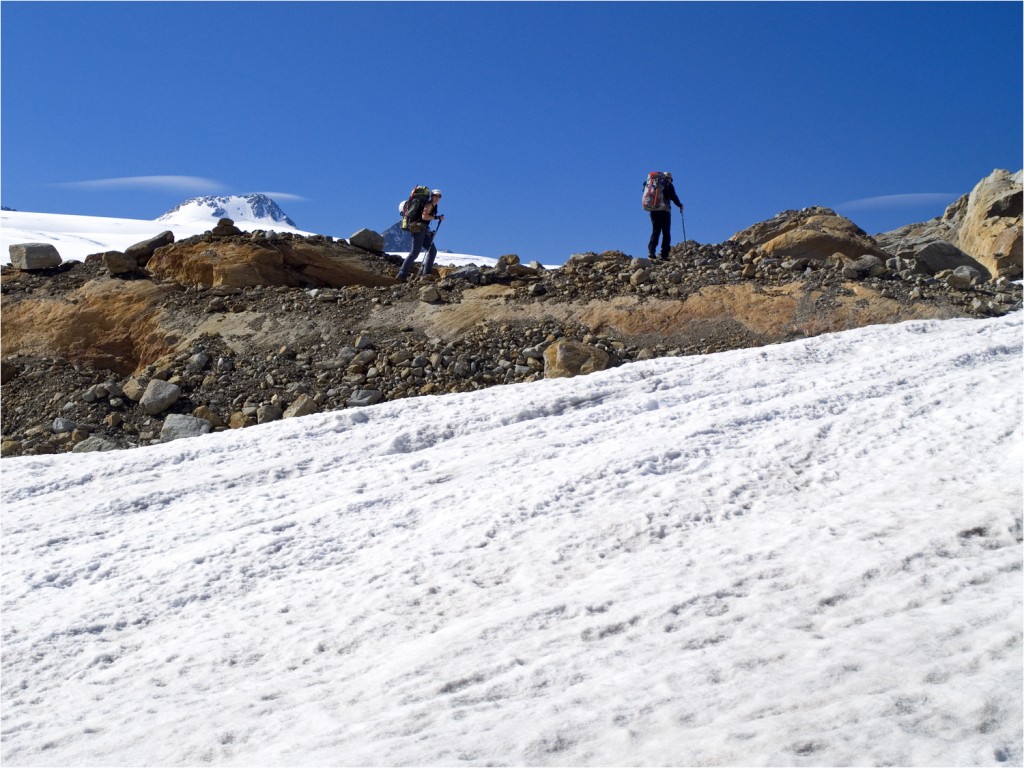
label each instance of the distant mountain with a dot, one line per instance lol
(397, 239)
(255, 207)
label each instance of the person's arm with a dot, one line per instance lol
(429, 213)
(673, 197)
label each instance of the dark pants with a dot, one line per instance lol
(420, 240)
(661, 226)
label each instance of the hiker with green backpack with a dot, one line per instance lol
(417, 213)
(659, 194)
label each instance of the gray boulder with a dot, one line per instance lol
(933, 255)
(865, 266)
(363, 397)
(142, 252)
(94, 444)
(179, 425)
(368, 240)
(304, 405)
(29, 256)
(117, 263)
(267, 413)
(225, 228)
(159, 396)
(61, 425)
(962, 277)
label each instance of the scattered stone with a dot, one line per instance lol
(363, 397)
(303, 406)
(864, 267)
(268, 413)
(567, 358)
(430, 295)
(62, 425)
(159, 396)
(94, 444)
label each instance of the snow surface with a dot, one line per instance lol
(805, 554)
(76, 237)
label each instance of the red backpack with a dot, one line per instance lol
(654, 192)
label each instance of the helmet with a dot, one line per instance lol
(436, 192)
(668, 175)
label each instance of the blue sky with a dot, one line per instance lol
(538, 120)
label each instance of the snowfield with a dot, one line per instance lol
(804, 554)
(76, 237)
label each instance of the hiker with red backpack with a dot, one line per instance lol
(417, 213)
(659, 194)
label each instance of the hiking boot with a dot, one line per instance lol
(401, 278)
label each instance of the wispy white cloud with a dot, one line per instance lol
(284, 196)
(174, 183)
(901, 201)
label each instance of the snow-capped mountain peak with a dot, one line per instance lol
(248, 208)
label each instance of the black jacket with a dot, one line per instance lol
(670, 195)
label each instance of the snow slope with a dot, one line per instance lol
(805, 554)
(75, 237)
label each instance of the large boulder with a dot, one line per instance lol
(29, 256)
(368, 240)
(931, 254)
(180, 425)
(814, 234)
(118, 263)
(142, 252)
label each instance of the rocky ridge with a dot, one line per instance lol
(233, 329)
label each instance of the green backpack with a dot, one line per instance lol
(412, 208)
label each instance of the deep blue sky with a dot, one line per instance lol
(538, 120)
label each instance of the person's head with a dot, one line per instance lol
(668, 175)
(436, 194)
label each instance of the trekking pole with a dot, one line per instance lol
(433, 232)
(683, 217)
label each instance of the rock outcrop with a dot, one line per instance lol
(988, 224)
(981, 230)
(267, 259)
(810, 236)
